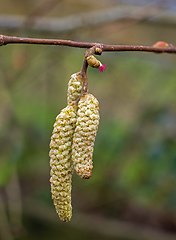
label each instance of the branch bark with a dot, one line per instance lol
(4, 40)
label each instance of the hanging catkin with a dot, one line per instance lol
(60, 161)
(84, 135)
(74, 88)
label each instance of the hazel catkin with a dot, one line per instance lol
(84, 135)
(74, 87)
(60, 161)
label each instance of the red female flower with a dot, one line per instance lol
(102, 68)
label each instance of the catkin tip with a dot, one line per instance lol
(86, 177)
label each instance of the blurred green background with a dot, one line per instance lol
(132, 191)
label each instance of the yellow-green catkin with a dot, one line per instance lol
(60, 161)
(74, 87)
(84, 135)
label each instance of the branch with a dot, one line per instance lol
(4, 40)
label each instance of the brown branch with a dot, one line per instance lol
(84, 76)
(4, 40)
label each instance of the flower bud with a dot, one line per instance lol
(98, 51)
(74, 87)
(161, 44)
(61, 163)
(84, 135)
(93, 62)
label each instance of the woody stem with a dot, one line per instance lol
(83, 72)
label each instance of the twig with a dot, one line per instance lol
(83, 72)
(84, 76)
(4, 40)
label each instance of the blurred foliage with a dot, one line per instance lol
(135, 149)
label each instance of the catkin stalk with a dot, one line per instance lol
(84, 135)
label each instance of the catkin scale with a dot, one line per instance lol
(84, 135)
(60, 161)
(74, 88)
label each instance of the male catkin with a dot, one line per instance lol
(84, 135)
(74, 88)
(60, 161)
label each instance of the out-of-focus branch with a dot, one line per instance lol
(14, 203)
(42, 9)
(100, 225)
(148, 13)
(4, 40)
(5, 231)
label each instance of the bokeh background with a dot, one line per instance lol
(132, 191)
